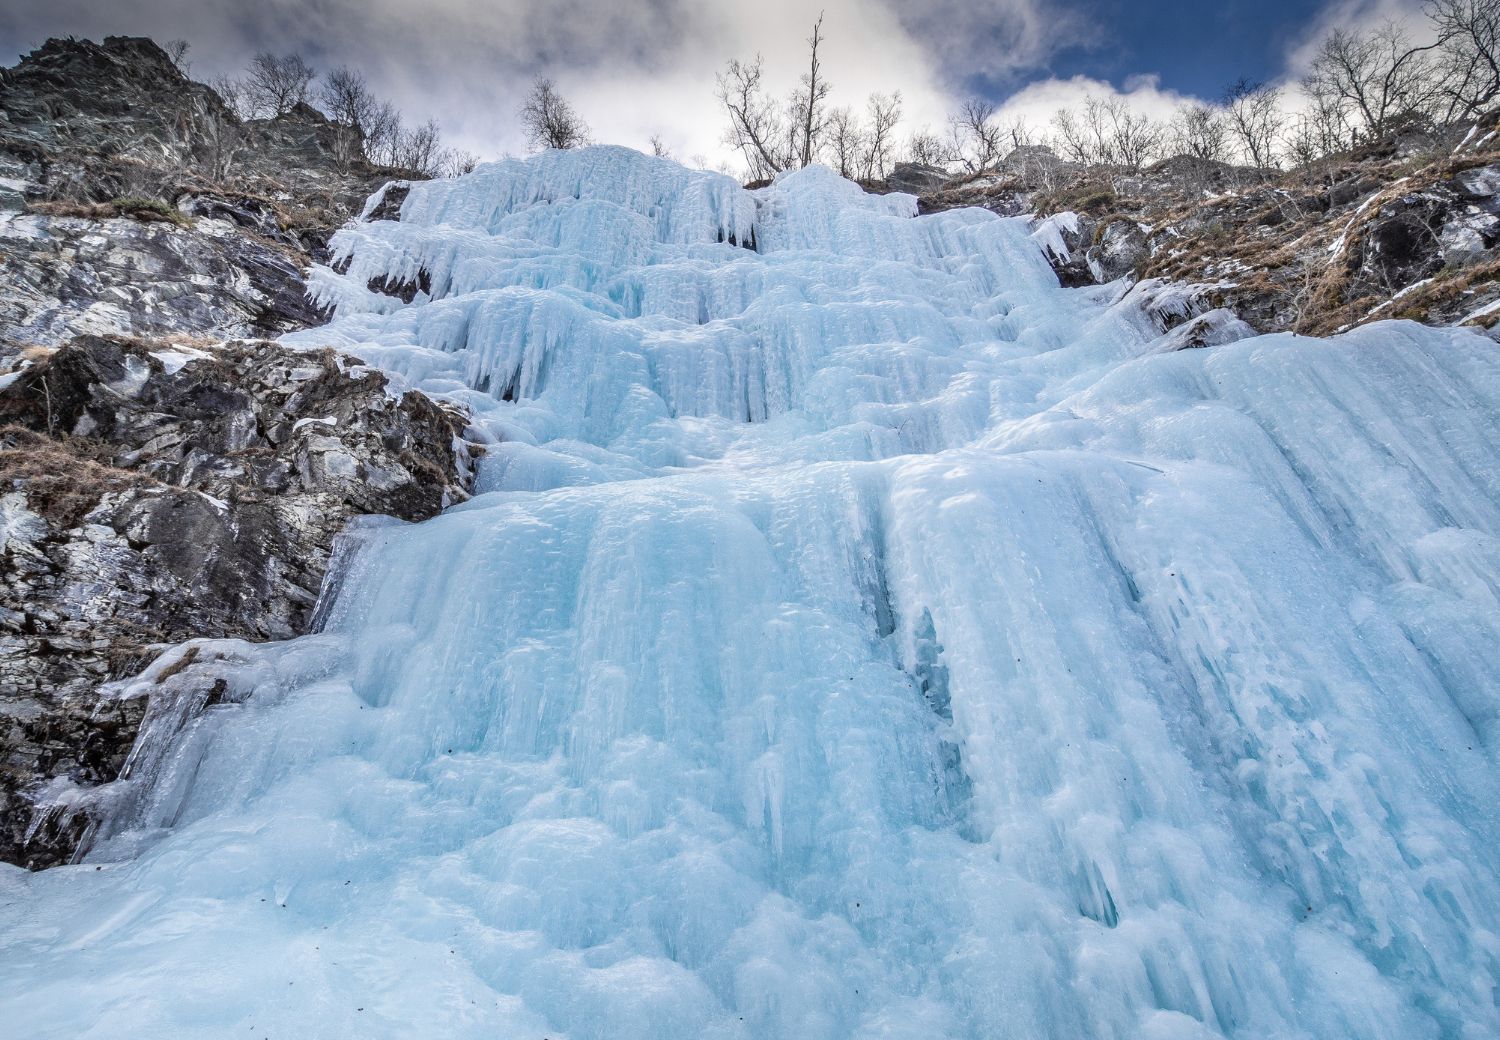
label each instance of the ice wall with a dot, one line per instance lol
(858, 636)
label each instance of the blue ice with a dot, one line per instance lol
(855, 635)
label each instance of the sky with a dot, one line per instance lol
(637, 68)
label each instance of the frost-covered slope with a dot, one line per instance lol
(860, 637)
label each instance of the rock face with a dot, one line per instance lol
(915, 178)
(133, 201)
(93, 122)
(155, 492)
(70, 276)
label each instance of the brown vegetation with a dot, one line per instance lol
(133, 206)
(64, 478)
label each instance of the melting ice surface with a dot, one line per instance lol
(857, 636)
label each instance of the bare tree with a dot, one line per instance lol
(1072, 143)
(276, 84)
(1107, 132)
(884, 112)
(927, 148)
(772, 137)
(1468, 36)
(1320, 129)
(177, 51)
(232, 91)
(1380, 75)
(1255, 118)
(455, 162)
(1017, 133)
(1299, 142)
(659, 147)
(549, 120)
(418, 149)
(756, 127)
(1086, 137)
(846, 140)
(1136, 138)
(1200, 131)
(383, 131)
(810, 100)
(976, 140)
(346, 98)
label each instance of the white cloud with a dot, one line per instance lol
(1037, 102)
(990, 40)
(866, 50)
(1358, 15)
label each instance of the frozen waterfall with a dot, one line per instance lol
(856, 636)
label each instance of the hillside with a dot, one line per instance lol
(1402, 228)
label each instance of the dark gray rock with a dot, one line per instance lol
(389, 205)
(138, 203)
(1118, 250)
(91, 122)
(155, 492)
(1401, 245)
(70, 276)
(916, 178)
(1065, 239)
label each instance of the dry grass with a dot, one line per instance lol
(81, 210)
(137, 208)
(150, 211)
(182, 663)
(63, 479)
(1282, 249)
(1087, 196)
(1446, 286)
(31, 353)
(191, 340)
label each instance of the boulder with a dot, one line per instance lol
(1118, 250)
(916, 178)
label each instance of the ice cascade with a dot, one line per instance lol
(856, 636)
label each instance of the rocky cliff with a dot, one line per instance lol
(134, 201)
(162, 477)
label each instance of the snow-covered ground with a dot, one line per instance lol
(858, 636)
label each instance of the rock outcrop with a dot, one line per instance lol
(79, 275)
(915, 178)
(156, 492)
(162, 476)
(133, 201)
(1406, 227)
